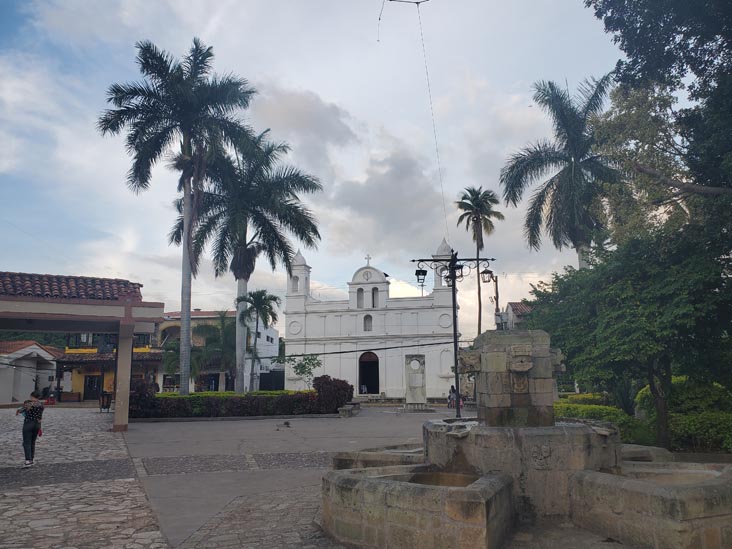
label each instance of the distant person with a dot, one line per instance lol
(32, 411)
(451, 397)
(156, 387)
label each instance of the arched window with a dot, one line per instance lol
(359, 298)
(368, 323)
(295, 284)
(375, 298)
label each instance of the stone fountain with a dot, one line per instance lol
(515, 464)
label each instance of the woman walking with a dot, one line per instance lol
(32, 411)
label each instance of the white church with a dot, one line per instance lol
(367, 338)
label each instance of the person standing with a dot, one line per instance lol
(32, 411)
(451, 397)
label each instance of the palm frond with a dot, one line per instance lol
(592, 94)
(527, 166)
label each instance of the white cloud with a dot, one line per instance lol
(354, 111)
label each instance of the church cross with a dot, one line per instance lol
(368, 259)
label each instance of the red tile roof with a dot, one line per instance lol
(520, 308)
(67, 287)
(9, 347)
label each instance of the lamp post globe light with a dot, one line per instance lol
(454, 270)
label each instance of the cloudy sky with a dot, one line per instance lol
(354, 109)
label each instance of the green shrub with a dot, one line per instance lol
(588, 398)
(687, 397)
(632, 430)
(331, 394)
(704, 431)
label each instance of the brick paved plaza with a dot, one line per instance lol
(212, 484)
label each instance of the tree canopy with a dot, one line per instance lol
(659, 302)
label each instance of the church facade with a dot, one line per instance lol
(368, 338)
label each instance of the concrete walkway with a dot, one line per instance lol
(193, 472)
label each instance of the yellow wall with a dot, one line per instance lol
(77, 378)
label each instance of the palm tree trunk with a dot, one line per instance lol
(185, 293)
(480, 297)
(583, 253)
(252, 374)
(240, 385)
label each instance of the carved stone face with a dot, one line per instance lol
(540, 456)
(519, 358)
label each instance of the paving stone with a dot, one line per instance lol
(81, 494)
(69, 435)
(45, 474)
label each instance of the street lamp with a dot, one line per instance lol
(486, 276)
(452, 271)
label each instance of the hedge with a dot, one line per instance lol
(688, 397)
(705, 431)
(330, 394)
(587, 398)
(632, 430)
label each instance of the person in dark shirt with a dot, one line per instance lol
(32, 411)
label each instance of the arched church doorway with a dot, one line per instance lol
(368, 374)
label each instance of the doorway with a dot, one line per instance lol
(368, 374)
(92, 387)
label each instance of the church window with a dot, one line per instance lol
(368, 323)
(295, 284)
(359, 298)
(375, 298)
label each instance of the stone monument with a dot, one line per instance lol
(516, 464)
(515, 378)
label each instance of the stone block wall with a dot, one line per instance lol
(644, 514)
(380, 508)
(540, 460)
(514, 375)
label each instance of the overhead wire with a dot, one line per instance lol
(429, 96)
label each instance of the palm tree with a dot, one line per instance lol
(217, 349)
(178, 106)
(567, 204)
(478, 214)
(261, 305)
(248, 210)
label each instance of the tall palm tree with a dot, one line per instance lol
(248, 210)
(478, 214)
(178, 106)
(566, 204)
(261, 306)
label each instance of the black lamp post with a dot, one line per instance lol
(455, 272)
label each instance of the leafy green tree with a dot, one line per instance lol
(478, 213)
(640, 129)
(304, 367)
(652, 307)
(669, 44)
(179, 107)
(262, 306)
(249, 208)
(567, 204)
